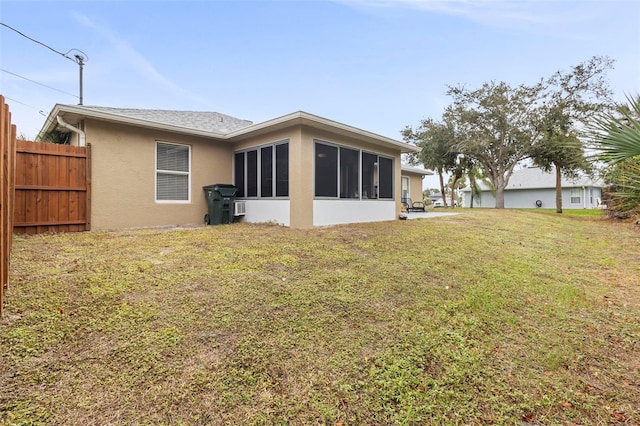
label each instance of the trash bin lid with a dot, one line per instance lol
(226, 190)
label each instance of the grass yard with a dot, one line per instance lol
(487, 317)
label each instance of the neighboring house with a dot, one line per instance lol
(298, 170)
(530, 187)
(412, 183)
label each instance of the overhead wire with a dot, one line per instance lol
(41, 112)
(40, 43)
(79, 59)
(38, 83)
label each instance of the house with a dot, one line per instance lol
(412, 183)
(299, 170)
(531, 187)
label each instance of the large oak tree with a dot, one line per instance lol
(495, 125)
(499, 125)
(437, 141)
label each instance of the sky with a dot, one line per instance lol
(378, 65)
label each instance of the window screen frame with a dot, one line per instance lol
(173, 173)
(374, 192)
(277, 185)
(330, 189)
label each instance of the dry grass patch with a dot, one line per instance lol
(484, 317)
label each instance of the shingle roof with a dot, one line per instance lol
(198, 120)
(213, 124)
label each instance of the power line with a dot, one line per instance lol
(79, 58)
(65, 55)
(40, 84)
(27, 105)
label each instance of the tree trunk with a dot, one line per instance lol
(444, 197)
(471, 205)
(453, 185)
(558, 189)
(500, 197)
(500, 185)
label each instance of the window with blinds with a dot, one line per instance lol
(173, 172)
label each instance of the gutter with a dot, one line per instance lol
(81, 134)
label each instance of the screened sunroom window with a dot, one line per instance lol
(173, 172)
(386, 177)
(326, 170)
(349, 173)
(342, 172)
(262, 172)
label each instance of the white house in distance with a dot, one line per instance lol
(531, 187)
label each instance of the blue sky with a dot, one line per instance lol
(373, 64)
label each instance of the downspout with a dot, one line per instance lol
(68, 126)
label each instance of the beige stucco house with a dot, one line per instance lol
(299, 170)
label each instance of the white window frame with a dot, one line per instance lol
(172, 172)
(404, 179)
(573, 196)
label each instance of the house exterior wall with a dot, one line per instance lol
(526, 198)
(123, 176)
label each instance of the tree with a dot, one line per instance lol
(499, 125)
(56, 136)
(560, 150)
(495, 125)
(436, 140)
(616, 137)
(570, 101)
(474, 174)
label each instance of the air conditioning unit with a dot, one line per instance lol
(239, 208)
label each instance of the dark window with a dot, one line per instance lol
(266, 171)
(369, 176)
(282, 170)
(258, 174)
(386, 177)
(349, 173)
(252, 173)
(326, 173)
(239, 173)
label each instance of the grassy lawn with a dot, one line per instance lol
(503, 317)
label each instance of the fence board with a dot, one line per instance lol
(53, 185)
(7, 196)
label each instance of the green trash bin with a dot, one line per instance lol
(220, 198)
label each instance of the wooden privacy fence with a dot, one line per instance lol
(7, 172)
(53, 188)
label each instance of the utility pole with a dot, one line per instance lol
(80, 60)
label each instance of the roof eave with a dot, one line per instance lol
(306, 119)
(59, 109)
(416, 170)
(296, 118)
